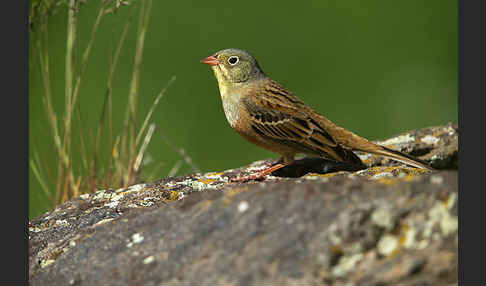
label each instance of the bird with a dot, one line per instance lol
(272, 117)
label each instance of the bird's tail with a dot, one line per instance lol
(357, 143)
(402, 157)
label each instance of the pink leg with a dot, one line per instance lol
(260, 175)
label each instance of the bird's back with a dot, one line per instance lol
(276, 115)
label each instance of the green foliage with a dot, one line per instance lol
(74, 175)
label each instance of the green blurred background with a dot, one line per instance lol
(375, 67)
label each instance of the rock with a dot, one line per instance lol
(384, 225)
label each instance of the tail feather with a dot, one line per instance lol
(402, 157)
(354, 142)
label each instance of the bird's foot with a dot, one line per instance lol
(260, 176)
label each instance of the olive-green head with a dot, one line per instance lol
(233, 66)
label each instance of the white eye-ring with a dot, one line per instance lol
(233, 60)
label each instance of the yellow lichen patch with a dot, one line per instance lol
(409, 178)
(214, 174)
(374, 170)
(418, 171)
(387, 181)
(410, 174)
(402, 239)
(405, 227)
(322, 175)
(408, 240)
(173, 196)
(393, 169)
(367, 161)
(206, 181)
(401, 171)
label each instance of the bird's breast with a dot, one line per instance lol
(231, 106)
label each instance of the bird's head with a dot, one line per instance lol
(234, 66)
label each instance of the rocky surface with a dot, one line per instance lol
(385, 225)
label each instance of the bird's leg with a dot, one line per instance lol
(261, 174)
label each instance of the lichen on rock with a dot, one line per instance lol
(388, 224)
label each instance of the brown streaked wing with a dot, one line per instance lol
(273, 96)
(289, 126)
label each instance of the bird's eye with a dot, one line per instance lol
(233, 60)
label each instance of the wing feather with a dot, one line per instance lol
(289, 125)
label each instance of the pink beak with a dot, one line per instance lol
(211, 60)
